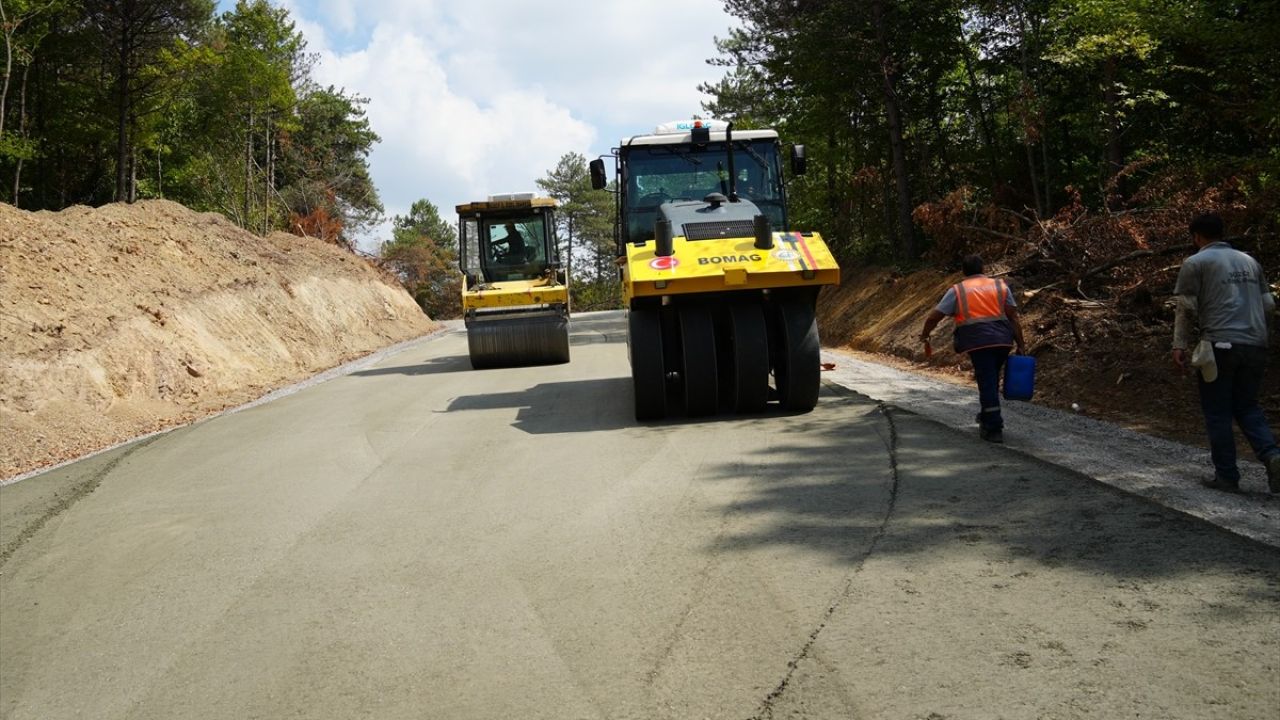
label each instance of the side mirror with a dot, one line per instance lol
(798, 162)
(598, 179)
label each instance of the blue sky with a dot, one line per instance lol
(473, 97)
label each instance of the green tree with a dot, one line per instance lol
(423, 253)
(586, 220)
(224, 122)
(23, 24)
(324, 168)
(132, 34)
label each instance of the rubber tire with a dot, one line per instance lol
(698, 344)
(747, 358)
(648, 377)
(796, 371)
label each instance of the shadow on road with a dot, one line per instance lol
(432, 366)
(561, 407)
(825, 482)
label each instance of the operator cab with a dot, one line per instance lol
(682, 167)
(505, 239)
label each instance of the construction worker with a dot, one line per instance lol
(986, 328)
(1225, 292)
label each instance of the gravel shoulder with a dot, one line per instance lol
(1160, 470)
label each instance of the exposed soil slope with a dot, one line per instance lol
(1108, 359)
(124, 319)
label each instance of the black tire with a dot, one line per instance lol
(796, 370)
(747, 358)
(648, 377)
(698, 342)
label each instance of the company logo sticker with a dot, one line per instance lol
(664, 263)
(786, 255)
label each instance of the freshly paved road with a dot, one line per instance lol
(420, 540)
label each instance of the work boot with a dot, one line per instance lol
(995, 435)
(1273, 473)
(1220, 483)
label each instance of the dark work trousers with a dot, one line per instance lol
(987, 366)
(1234, 396)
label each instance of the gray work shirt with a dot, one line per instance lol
(1230, 296)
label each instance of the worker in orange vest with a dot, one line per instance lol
(987, 328)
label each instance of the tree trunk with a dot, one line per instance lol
(133, 173)
(8, 62)
(1111, 100)
(1035, 182)
(266, 185)
(1044, 157)
(248, 172)
(906, 231)
(1028, 93)
(831, 170)
(22, 132)
(122, 114)
(984, 120)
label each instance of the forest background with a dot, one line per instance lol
(1069, 140)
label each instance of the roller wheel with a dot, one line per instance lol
(698, 340)
(559, 346)
(747, 361)
(795, 365)
(648, 378)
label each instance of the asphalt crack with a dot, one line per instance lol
(765, 710)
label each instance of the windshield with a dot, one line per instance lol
(655, 174)
(513, 247)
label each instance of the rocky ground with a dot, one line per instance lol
(125, 319)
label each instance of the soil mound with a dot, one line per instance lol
(126, 319)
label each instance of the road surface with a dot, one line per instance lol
(420, 540)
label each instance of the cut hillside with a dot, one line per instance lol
(126, 319)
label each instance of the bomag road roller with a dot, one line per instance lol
(720, 292)
(515, 300)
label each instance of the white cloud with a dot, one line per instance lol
(473, 97)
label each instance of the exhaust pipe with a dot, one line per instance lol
(662, 238)
(764, 232)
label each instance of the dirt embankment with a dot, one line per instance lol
(1111, 360)
(125, 319)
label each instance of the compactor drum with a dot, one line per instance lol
(720, 293)
(514, 298)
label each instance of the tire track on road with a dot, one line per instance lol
(64, 503)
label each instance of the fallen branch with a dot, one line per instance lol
(1132, 256)
(995, 233)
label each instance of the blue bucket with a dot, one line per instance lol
(1020, 377)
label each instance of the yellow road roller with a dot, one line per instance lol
(720, 292)
(515, 298)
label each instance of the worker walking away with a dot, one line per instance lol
(1224, 291)
(986, 328)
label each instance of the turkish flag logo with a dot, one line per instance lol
(668, 262)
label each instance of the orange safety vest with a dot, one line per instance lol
(980, 300)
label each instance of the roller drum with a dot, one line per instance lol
(510, 341)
